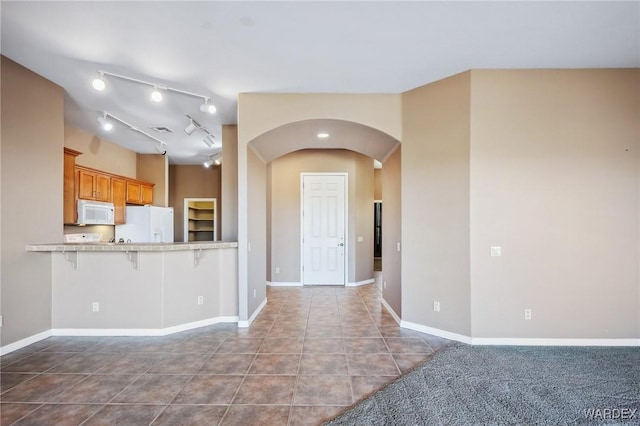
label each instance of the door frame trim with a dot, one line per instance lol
(346, 222)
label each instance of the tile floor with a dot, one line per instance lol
(311, 352)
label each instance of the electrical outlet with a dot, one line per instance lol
(360, 239)
(1, 320)
(436, 306)
(277, 269)
(527, 314)
(384, 284)
(200, 300)
(398, 247)
(255, 292)
(95, 306)
(496, 251)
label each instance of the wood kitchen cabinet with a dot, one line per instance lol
(85, 183)
(138, 192)
(93, 185)
(69, 210)
(119, 198)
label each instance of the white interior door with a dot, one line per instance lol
(323, 229)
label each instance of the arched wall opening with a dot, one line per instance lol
(356, 142)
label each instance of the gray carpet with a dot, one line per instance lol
(496, 385)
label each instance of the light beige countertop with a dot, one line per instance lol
(126, 247)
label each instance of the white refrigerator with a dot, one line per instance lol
(146, 224)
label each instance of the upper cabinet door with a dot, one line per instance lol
(146, 194)
(119, 199)
(133, 192)
(103, 187)
(94, 186)
(86, 185)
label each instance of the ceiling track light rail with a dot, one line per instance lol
(161, 147)
(156, 95)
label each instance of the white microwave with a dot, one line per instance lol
(95, 213)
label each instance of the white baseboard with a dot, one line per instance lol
(359, 283)
(436, 332)
(391, 311)
(245, 324)
(24, 342)
(140, 331)
(283, 284)
(508, 341)
(114, 332)
(518, 341)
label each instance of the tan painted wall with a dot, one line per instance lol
(284, 247)
(229, 210)
(99, 153)
(363, 203)
(32, 142)
(192, 181)
(555, 182)
(257, 214)
(155, 168)
(377, 184)
(380, 111)
(392, 230)
(435, 204)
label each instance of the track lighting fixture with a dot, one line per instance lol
(191, 127)
(156, 95)
(105, 123)
(213, 159)
(209, 141)
(207, 107)
(98, 83)
(161, 147)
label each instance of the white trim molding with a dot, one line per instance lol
(509, 341)
(283, 284)
(246, 324)
(391, 311)
(141, 331)
(436, 332)
(24, 342)
(518, 341)
(359, 283)
(114, 332)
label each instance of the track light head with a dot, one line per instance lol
(208, 163)
(209, 141)
(156, 95)
(207, 107)
(105, 123)
(98, 83)
(161, 149)
(190, 128)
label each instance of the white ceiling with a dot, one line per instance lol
(220, 49)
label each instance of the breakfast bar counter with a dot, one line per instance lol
(141, 288)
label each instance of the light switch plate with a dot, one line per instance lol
(496, 251)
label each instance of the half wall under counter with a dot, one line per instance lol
(140, 288)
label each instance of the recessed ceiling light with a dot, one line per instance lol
(322, 135)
